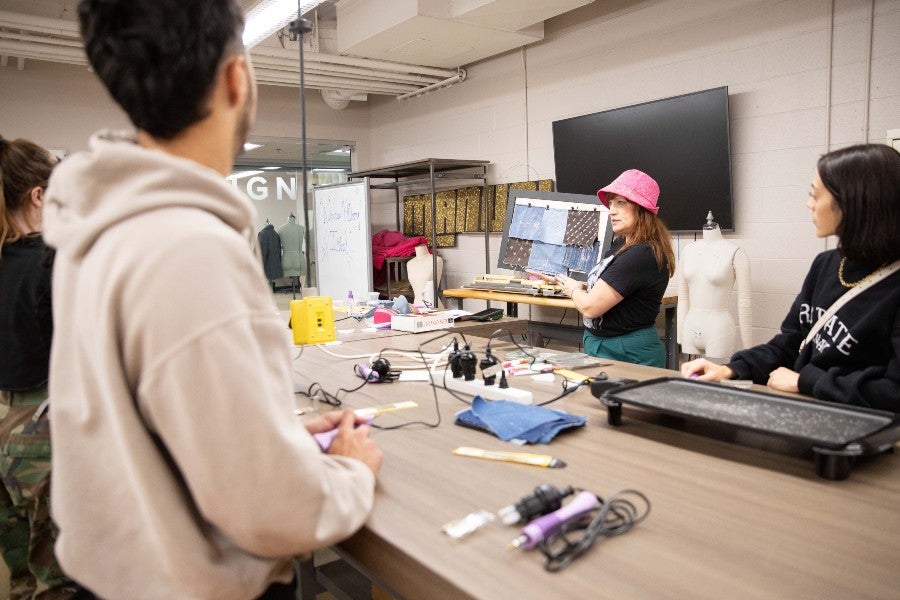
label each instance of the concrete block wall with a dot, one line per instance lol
(777, 59)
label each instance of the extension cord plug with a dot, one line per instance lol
(488, 392)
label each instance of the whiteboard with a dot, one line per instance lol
(343, 241)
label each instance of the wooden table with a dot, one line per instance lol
(669, 306)
(729, 520)
(349, 329)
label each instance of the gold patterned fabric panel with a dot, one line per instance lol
(462, 210)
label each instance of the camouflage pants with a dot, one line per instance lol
(27, 533)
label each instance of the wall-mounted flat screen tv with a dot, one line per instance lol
(682, 142)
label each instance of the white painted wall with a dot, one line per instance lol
(60, 106)
(773, 56)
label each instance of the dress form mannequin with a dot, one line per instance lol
(710, 269)
(293, 259)
(419, 270)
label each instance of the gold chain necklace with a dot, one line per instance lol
(855, 283)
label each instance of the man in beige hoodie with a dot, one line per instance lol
(179, 469)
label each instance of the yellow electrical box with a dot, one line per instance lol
(312, 320)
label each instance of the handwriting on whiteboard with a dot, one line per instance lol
(343, 239)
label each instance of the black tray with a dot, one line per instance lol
(836, 433)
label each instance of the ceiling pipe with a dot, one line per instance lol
(49, 25)
(289, 79)
(58, 40)
(42, 51)
(49, 42)
(287, 64)
(368, 63)
(440, 84)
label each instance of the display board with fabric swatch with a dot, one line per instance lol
(552, 232)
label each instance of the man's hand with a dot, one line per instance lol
(353, 441)
(329, 421)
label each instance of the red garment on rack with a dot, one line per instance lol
(387, 243)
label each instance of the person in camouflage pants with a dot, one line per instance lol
(26, 530)
(27, 534)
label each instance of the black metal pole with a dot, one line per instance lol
(301, 27)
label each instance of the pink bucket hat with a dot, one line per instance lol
(636, 186)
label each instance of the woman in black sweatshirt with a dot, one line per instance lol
(855, 357)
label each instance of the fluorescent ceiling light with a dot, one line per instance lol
(241, 174)
(330, 170)
(339, 151)
(250, 146)
(269, 16)
(270, 168)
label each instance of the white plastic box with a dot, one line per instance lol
(417, 323)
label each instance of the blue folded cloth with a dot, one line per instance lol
(513, 421)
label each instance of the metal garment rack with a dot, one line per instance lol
(433, 175)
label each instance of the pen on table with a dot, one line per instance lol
(524, 458)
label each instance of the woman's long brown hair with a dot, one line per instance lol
(650, 228)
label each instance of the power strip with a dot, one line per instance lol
(476, 387)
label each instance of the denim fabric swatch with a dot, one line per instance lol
(518, 252)
(581, 228)
(547, 258)
(553, 226)
(578, 258)
(510, 420)
(526, 221)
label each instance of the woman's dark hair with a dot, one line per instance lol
(23, 166)
(159, 59)
(865, 183)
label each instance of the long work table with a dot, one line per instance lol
(733, 515)
(669, 307)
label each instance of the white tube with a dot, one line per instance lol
(458, 78)
(39, 24)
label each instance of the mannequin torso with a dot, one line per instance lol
(710, 269)
(419, 269)
(293, 259)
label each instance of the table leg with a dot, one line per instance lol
(306, 578)
(671, 343)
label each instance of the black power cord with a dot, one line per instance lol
(614, 517)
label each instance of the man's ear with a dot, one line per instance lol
(236, 74)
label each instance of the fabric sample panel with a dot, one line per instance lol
(553, 226)
(517, 252)
(578, 258)
(526, 221)
(547, 258)
(581, 228)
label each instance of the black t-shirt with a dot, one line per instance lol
(641, 282)
(26, 319)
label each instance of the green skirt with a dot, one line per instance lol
(641, 347)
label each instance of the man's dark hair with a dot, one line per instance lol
(865, 183)
(159, 58)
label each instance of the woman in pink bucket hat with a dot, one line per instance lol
(620, 302)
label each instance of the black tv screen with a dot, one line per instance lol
(682, 142)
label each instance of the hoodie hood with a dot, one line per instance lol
(117, 179)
